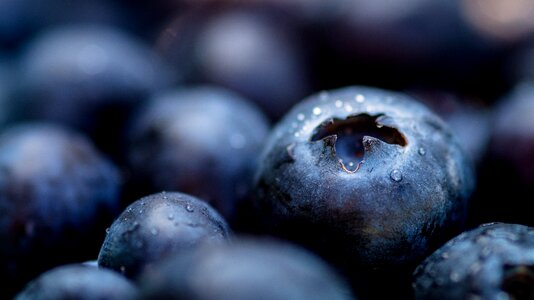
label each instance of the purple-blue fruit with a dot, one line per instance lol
(204, 141)
(57, 193)
(158, 226)
(78, 282)
(244, 269)
(369, 178)
(493, 261)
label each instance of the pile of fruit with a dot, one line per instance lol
(267, 149)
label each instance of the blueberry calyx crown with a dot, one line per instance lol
(518, 281)
(346, 137)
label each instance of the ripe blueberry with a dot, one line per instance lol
(244, 269)
(367, 177)
(57, 193)
(203, 141)
(88, 77)
(78, 282)
(493, 261)
(157, 226)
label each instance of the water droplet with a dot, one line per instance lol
(123, 269)
(237, 141)
(108, 230)
(338, 103)
(170, 217)
(351, 164)
(396, 175)
(323, 96)
(300, 117)
(189, 208)
(360, 98)
(421, 151)
(317, 111)
(154, 231)
(297, 134)
(140, 211)
(348, 107)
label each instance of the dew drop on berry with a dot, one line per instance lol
(396, 175)
(189, 208)
(421, 151)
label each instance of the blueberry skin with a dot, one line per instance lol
(493, 261)
(203, 140)
(244, 269)
(78, 282)
(368, 178)
(89, 77)
(157, 226)
(57, 193)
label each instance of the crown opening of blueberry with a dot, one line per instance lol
(518, 282)
(349, 134)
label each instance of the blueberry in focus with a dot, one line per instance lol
(244, 269)
(78, 282)
(493, 261)
(89, 77)
(203, 141)
(57, 193)
(368, 178)
(157, 226)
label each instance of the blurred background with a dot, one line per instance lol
(88, 64)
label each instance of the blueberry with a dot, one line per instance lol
(157, 226)
(23, 18)
(506, 177)
(78, 282)
(493, 261)
(250, 50)
(202, 141)
(367, 177)
(57, 193)
(514, 125)
(87, 77)
(244, 269)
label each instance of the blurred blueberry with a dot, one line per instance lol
(254, 52)
(244, 269)
(78, 282)
(88, 77)
(201, 140)
(57, 193)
